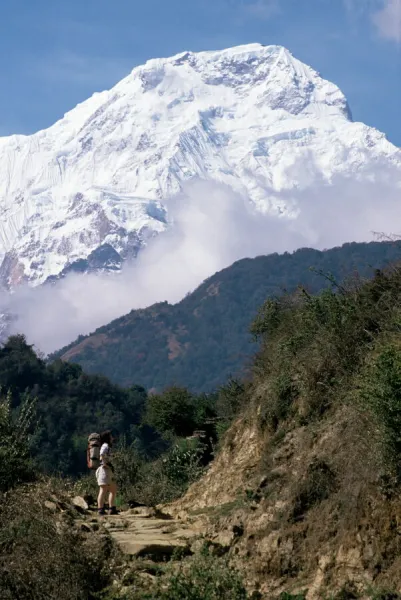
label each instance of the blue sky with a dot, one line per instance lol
(56, 53)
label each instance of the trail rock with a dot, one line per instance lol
(80, 503)
(140, 533)
(143, 511)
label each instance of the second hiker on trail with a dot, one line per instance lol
(105, 475)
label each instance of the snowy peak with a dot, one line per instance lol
(252, 117)
(272, 76)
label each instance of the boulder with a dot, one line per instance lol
(80, 503)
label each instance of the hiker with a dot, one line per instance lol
(105, 475)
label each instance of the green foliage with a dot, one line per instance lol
(381, 391)
(42, 557)
(314, 345)
(204, 577)
(231, 399)
(183, 462)
(15, 463)
(268, 318)
(163, 479)
(70, 405)
(172, 412)
(203, 340)
(283, 393)
(383, 595)
(127, 461)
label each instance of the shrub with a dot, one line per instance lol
(127, 461)
(282, 394)
(230, 399)
(319, 483)
(15, 462)
(384, 595)
(182, 464)
(172, 412)
(42, 557)
(153, 485)
(312, 346)
(381, 392)
(203, 577)
(160, 480)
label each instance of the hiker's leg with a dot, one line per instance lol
(112, 494)
(103, 489)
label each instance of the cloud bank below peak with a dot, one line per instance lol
(212, 228)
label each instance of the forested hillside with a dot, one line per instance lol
(204, 339)
(69, 404)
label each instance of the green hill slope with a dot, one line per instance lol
(204, 339)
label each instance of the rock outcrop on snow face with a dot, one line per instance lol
(252, 117)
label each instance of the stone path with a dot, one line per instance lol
(148, 533)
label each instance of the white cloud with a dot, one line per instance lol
(213, 227)
(388, 20)
(384, 14)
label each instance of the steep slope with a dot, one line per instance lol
(252, 117)
(304, 494)
(204, 339)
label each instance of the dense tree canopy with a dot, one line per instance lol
(70, 404)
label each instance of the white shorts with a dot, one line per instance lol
(104, 476)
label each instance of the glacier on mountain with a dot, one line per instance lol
(252, 117)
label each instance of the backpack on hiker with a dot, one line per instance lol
(93, 451)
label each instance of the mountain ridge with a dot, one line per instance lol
(204, 339)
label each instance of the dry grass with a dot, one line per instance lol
(42, 555)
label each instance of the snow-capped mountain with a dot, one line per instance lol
(93, 184)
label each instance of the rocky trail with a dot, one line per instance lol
(148, 533)
(140, 532)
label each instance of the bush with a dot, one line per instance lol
(312, 346)
(160, 480)
(282, 394)
(15, 463)
(203, 577)
(127, 461)
(172, 412)
(182, 464)
(42, 557)
(381, 392)
(384, 595)
(319, 483)
(230, 399)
